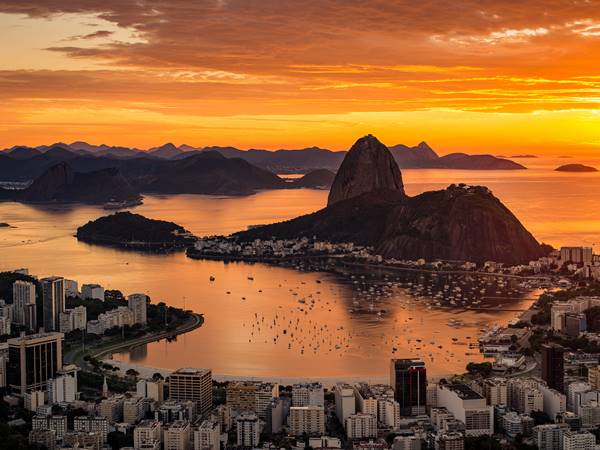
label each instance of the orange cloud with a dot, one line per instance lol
(214, 61)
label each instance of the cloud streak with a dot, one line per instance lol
(226, 58)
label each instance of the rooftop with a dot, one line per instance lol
(464, 391)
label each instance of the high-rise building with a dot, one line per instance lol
(345, 403)
(553, 372)
(71, 288)
(32, 400)
(467, 406)
(594, 377)
(248, 430)
(152, 389)
(307, 420)
(550, 436)
(578, 255)
(92, 424)
(208, 436)
(134, 409)
(57, 423)
(176, 436)
(147, 431)
(495, 391)
(73, 319)
(578, 440)
(62, 389)
(138, 304)
(308, 394)
(24, 309)
(43, 437)
(112, 408)
(33, 360)
(82, 440)
(452, 440)
(251, 396)
(92, 292)
(192, 384)
(361, 426)
(408, 378)
(53, 295)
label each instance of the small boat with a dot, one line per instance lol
(212, 278)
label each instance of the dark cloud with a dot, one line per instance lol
(94, 35)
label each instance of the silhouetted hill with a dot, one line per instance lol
(576, 168)
(61, 184)
(368, 166)
(458, 223)
(134, 230)
(316, 179)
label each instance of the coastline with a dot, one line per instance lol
(107, 349)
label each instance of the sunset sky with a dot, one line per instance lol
(464, 75)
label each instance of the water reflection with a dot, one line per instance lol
(411, 322)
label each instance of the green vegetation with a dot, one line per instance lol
(125, 227)
(484, 369)
(482, 443)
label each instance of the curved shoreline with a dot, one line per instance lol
(76, 356)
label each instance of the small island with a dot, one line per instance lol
(134, 231)
(576, 168)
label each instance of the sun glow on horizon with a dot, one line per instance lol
(270, 75)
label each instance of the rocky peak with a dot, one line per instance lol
(368, 166)
(426, 151)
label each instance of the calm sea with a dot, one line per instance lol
(248, 307)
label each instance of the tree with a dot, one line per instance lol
(132, 373)
(118, 440)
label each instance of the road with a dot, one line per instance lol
(77, 355)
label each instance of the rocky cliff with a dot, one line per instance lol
(368, 166)
(458, 223)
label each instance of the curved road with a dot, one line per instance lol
(77, 355)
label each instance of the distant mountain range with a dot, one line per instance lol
(60, 183)
(303, 160)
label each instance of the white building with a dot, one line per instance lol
(147, 432)
(56, 423)
(92, 424)
(554, 402)
(207, 436)
(92, 292)
(307, 419)
(24, 310)
(583, 440)
(524, 395)
(62, 389)
(550, 436)
(4, 326)
(345, 403)
(361, 426)
(134, 409)
(152, 389)
(138, 303)
(73, 319)
(467, 406)
(248, 430)
(495, 391)
(33, 400)
(308, 394)
(176, 435)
